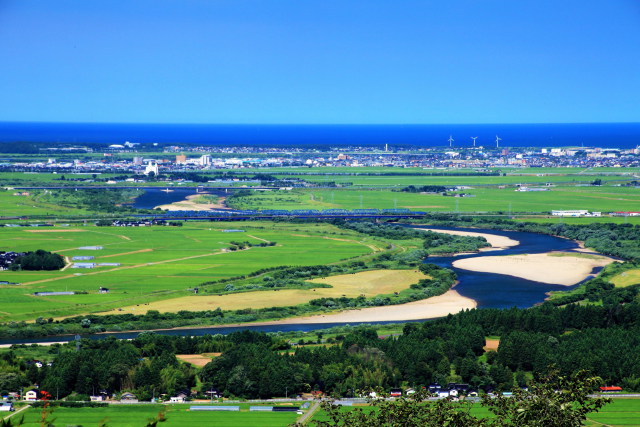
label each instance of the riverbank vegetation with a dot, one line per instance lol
(112, 200)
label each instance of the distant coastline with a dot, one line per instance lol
(606, 135)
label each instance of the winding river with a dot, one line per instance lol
(489, 290)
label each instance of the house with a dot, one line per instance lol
(610, 389)
(434, 388)
(128, 398)
(31, 396)
(459, 388)
(395, 392)
(96, 398)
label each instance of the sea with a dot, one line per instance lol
(605, 135)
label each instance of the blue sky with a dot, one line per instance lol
(308, 61)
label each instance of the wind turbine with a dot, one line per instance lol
(498, 141)
(450, 140)
(474, 140)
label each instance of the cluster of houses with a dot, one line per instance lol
(8, 258)
(576, 213)
(138, 223)
(453, 390)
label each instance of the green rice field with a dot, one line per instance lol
(621, 412)
(158, 262)
(480, 200)
(176, 415)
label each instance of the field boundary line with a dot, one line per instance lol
(126, 253)
(17, 412)
(258, 238)
(307, 415)
(127, 267)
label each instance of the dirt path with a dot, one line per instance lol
(127, 253)
(53, 279)
(307, 415)
(55, 231)
(258, 238)
(67, 263)
(122, 236)
(16, 412)
(370, 246)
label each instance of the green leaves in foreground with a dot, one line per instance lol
(552, 401)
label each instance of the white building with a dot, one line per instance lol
(151, 167)
(570, 213)
(31, 396)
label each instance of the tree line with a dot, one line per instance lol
(604, 340)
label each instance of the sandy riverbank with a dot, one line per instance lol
(191, 205)
(450, 302)
(497, 242)
(560, 268)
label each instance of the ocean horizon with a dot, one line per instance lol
(605, 135)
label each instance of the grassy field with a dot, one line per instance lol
(12, 205)
(367, 283)
(600, 199)
(621, 412)
(627, 278)
(159, 262)
(176, 415)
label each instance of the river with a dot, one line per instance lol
(489, 290)
(153, 197)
